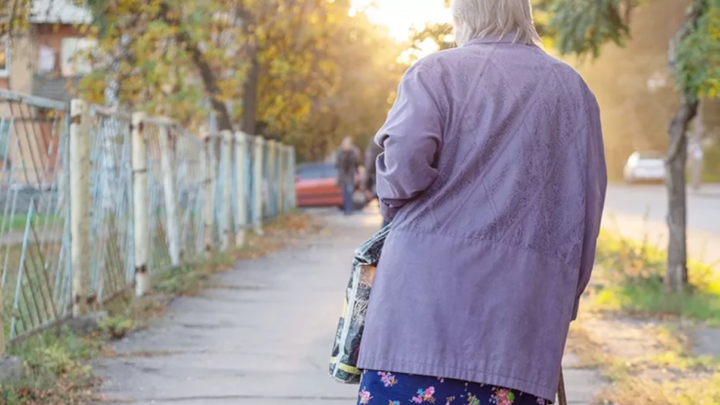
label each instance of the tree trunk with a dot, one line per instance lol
(210, 81)
(676, 278)
(250, 95)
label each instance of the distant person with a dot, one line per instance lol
(494, 179)
(371, 155)
(348, 164)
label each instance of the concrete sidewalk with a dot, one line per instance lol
(262, 336)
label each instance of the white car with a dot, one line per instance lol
(645, 167)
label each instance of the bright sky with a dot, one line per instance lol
(401, 15)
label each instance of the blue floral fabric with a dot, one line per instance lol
(382, 388)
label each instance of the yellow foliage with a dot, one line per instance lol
(323, 74)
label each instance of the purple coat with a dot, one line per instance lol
(494, 177)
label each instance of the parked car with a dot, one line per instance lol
(316, 186)
(646, 166)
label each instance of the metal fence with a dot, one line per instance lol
(95, 201)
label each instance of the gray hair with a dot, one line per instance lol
(490, 18)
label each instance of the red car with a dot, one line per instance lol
(316, 186)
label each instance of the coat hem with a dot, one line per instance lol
(476, 376)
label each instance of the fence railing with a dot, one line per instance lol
(95, 201)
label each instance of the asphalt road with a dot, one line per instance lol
(640, 211)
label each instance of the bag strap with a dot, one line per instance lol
(562, 396)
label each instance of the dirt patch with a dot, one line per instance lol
(648, 361)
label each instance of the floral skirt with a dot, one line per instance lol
(381, 388)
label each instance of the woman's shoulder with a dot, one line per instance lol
(440, 61)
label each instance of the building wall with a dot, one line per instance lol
(30, 147)
(21, 55)
(24, 53)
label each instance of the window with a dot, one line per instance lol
(74, 56)
(4, 57)
(46, 60)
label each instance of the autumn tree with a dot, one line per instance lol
(304, 71)
(290, 62)
(165, 56)
(367, 76)
(267, 61)
(584, 27)
(14, 17)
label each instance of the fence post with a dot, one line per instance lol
(167, 161)
(292, 191)
(282, 157)
(208, 157)
(285, 184)
(289, 180)
(257, 182)
(141, 204)
(241, 205)
(272, 177)
(79, 204)
(228, 235)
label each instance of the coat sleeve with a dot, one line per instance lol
(411, 138)
(596, 188)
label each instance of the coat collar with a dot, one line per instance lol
(495, 39)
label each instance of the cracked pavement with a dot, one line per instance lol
(261, 334)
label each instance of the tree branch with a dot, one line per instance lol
(184, 39)
(684, 115)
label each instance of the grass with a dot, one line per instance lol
(188, 280)
(670, 375)
(56, 360)
(56, 372)
(658, 366)
(18, 222)
(711, 177)
(116, 327)
(646, 391)
(633, 273)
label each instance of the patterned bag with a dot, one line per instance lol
(343, 363)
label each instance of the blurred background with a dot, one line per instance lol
(310, 72)
(210, 131)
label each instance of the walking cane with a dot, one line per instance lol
(562, 397)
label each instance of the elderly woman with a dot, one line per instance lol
(494, 178)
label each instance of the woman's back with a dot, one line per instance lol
(512, 166)
(495, 179)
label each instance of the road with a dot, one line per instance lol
(262, 335)
(639, 211)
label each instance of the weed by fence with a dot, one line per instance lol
(94, 201)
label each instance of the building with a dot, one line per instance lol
(44, 61)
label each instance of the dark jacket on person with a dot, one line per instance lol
(371, 154)
(347, 163)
